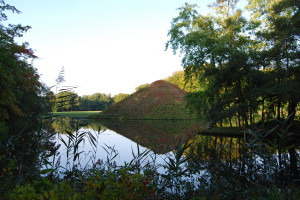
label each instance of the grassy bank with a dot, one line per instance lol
(84, 114)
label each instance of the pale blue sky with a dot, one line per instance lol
(105, 46)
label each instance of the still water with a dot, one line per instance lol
(82, 143)
(232, 165)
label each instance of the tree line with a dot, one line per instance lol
(71, 101)
(248, 69)
(68, 100)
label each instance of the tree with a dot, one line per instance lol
(94, 102)
(119, 97)
(240, 64)
(179, 78)
(66, 101)
(21, 93)
(214, 51)
(278, 33)
(141, 86)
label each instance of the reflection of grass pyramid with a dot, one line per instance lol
(159, 136)
(160, 100)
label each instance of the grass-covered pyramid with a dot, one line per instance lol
(159, 100)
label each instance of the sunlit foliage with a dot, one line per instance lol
(245, 67)
(120, 97)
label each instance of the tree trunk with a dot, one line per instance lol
(278, 110)
(292, 110)
(251, 115)
(263, 111)
(246, 120)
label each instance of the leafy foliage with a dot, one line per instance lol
(189, 84)
(20, 90)
(66, 101)
(96, 101)
(119, 97)
(244, 67)
(141, 86)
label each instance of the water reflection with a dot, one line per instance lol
(121, 140)
(236, 162)
(159, 136)
(249, 167)
(228, 161)
(227, 149)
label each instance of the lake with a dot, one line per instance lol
(120, 140)
(148, 159)
(177, 159)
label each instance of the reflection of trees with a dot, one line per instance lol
(223, 148)
(67, 124)
(23, 153)
(235, 164)
(94, 125)
(64, 124)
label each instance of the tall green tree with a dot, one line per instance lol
(279, 34)
(21, 93)
(240, 64)
(66, 101)
(215, 51)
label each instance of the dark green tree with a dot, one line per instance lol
(242, 65)
(279, 34)
(66, 101)
(94, 102)
(21, 93)
(216, 51)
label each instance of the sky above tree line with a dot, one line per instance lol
(104, 46)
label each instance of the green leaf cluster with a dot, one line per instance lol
(21, 93)
(95, 102)
(244, 67)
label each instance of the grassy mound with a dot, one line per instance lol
(160, 100)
